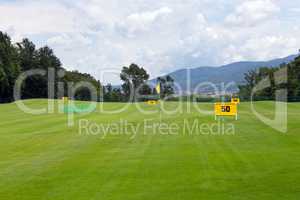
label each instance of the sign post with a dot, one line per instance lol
(235, 100)
(226, 109)
(152, 102)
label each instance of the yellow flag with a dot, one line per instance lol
(158, 88)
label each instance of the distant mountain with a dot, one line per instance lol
(233, 72)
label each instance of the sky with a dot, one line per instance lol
(100, 36)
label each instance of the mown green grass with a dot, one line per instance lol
(42, 158)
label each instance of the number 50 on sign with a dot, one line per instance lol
(226, 109)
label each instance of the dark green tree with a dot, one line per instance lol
(24, 56)
(167, 86)
(108, 93)
(133, 77)
(28, 61)
(252, 78)
(116, 95)
(9, 67)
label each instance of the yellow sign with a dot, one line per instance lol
(152, 102)
(158, 88)
(235, 100)
(226, 109)
(65, 99)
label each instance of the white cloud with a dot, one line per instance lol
(253, 12)
(143, 20)
(297, 10)
(91, 35)
(201, 18)
(69, 40)
(150, 16)
(261, 48)
(35, 18)
(270, 46)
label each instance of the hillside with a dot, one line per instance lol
(222, 74)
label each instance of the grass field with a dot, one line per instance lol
(42, 158)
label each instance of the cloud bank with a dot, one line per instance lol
(162, 36)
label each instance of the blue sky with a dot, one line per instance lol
(162, 36)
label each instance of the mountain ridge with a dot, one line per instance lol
(217, 75)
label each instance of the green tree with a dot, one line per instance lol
(9, 67)
(27, 55)
(28, 61)
(133, 77)
(116, 95)
(252, 78)
(167, 86)
(108, 93)
(24, 56)
(293, 84)
(82, 93)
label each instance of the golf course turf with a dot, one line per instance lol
(41, 157)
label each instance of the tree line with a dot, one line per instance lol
(23, 56)
(137, 87)
(17, 58)
(266, 82)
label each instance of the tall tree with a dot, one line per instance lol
(28, 61)
(9, 67)
(133, 77)
(252, 78)
(24, 56)
(108, 92)
(167, 86)
(27, 55)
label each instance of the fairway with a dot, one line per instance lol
(41, 157)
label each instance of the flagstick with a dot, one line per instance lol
(158, 90)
